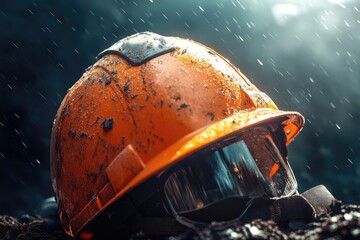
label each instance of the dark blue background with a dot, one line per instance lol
(304, 54)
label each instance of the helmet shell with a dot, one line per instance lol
(148, 102)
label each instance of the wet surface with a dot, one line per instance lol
(140, 48)
(343, 222)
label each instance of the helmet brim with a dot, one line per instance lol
(292, 123)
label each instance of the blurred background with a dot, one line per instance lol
(304, 54)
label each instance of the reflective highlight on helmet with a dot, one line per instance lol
(246, 166)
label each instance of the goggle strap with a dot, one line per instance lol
(320, 198)
(285, 209)
(305, 206)
(297, 207)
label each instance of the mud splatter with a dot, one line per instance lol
(72, 133)
(108, 80)
(211, 115)
(108, 124)
(184, 105)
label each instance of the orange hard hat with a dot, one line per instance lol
(147, 103)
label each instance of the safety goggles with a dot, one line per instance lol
(247, 166)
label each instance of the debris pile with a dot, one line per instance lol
(28, 227)
(343, 222)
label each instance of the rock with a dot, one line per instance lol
(28, 228)
(343, 222)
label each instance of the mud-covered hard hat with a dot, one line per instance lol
(171, 109)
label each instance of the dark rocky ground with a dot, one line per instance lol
(343, 222)
(28, 228)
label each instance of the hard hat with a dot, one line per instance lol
(149, 103)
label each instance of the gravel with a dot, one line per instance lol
(343, 222)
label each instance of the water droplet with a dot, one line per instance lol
(338, 3)
(41, 95)
(347, 24)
